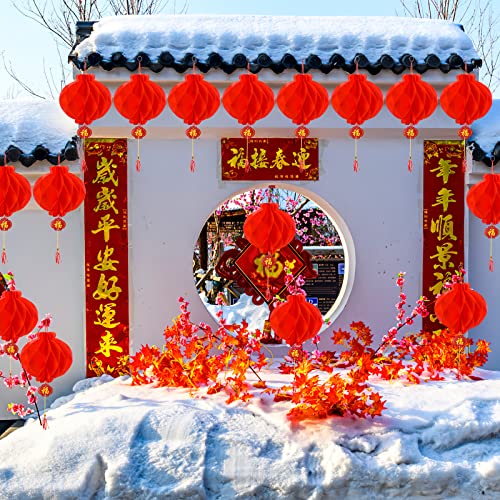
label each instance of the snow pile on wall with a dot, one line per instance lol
(27, 123)
(486, 131)
(275, 36)
(112, 440)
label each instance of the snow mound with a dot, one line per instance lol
(27, 123)
(201, 35)
(115, 440)
(487, 129)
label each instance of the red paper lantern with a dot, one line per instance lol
(296, 320)
(194, 100)
(15, 193)
(411, 100)
(461, 308)
(85, 100)
(483, 200)
(60, 192)
(466, 100)
(302, 100)
(269, 228)
(248, 100)
(139, 100)
(357, 100)
(46, 357)
(18, 316)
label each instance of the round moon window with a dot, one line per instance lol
(316, 261)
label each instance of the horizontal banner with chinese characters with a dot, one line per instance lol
(443, 223)
(269, 159)
(106, 257)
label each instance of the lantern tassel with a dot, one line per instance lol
(410, 160)
(138, 161)
(464, 162)
(81, 154)
(356, 164)
(4, 251)
(58, 253)
(192, 165)
(491, 264)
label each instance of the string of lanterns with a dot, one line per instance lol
(302, 100)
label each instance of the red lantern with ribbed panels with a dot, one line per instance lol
(18, 316)
(139, 100)
(15, 193)
(59, 192)
(411, 100)
(248, 100)
(357, 100)
(194, 100)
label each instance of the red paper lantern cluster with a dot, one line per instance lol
(483, 200)
(194, 100)
(59, 192)
(461, 308)
(15, 193)
(296, 320)
(357, 100)
(411, 100)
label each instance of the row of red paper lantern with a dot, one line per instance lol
(249, 100)
(58, 192)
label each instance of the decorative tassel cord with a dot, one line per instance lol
(464, 162)
(356, 164)
(192, 165)
(410, 160)
(58, 253)
(491, 264)
(138, 161)
(4, 251)
(247, 163)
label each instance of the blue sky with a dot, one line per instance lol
(32, 52)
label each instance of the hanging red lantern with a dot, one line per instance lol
(18, 316)
(269, 228)
(461, 308)
(46, 358)
(483, 200)
(139, 100)
(60, 192)
(296, 320)
(302, 100)
(85, 100)
(194, 100)
(466, 100)
(248, 100)
(411, 100)
(15, 193)
(357, 100)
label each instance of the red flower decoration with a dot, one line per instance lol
(357, 100)
(18, 316)
(15, 192)
(296, 320)
(461, 308)
(303, 99)
(46, 357)
(59, 191)
(85, 100)
(483, 199)
(466, 99)
(194, 99)
(139, 100)
(269, 228)
(411, 100)
(248, 99)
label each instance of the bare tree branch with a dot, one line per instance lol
(10, 71)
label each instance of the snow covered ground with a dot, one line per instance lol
(112, 440)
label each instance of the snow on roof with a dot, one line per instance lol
(275, 36)
(486, 131)
(113, 440)
(28, 123)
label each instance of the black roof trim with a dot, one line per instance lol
(478, 154)
(287, 61)
(40, 153)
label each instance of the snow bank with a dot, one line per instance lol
(27, 123)
(487, 129)
(112, 440)
(276, 36)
